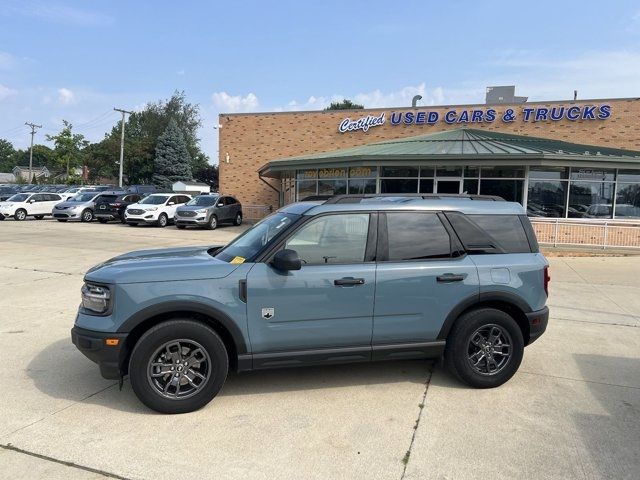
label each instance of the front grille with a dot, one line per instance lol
(60, 215)
(186, 213)
(135, 211)
(61, 208)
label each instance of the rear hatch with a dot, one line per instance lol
(108, 205)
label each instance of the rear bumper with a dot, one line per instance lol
(538, 321)
(93, 345)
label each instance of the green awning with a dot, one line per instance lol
(464, 146)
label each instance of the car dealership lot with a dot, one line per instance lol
(572, 411)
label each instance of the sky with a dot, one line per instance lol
(76, 60)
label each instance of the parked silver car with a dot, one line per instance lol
(81, 207)
(209, 211)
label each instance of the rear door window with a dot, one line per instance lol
(416, 236)
(506, 230)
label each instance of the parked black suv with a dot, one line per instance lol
(112, 207)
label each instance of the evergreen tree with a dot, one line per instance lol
(172, 162)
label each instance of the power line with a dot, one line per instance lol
(33, 132)
(121, 143)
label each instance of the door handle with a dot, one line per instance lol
(450, 278)
(347, 281)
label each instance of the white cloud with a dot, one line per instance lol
(235, 103)
(55, 13)
(66, 96)
(6, 92)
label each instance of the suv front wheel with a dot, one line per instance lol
(178, 366)
(484, 348)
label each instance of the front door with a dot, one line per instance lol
(324, 311)
(447, 185)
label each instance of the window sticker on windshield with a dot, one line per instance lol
(238, 260)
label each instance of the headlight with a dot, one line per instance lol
(96, 298)
(202, 210)
(152, 209)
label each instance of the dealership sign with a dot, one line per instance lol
(456, 116)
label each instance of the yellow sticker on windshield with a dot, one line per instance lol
(238, 260)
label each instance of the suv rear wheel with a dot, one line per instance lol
(484, 348)
(238, 220)
(178, 366)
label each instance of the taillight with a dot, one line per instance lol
(547, 279)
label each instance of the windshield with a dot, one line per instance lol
(18, 197)
(203, 201)
(154, 200)
(82, 197)
(251, 242)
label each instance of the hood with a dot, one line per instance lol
(66, 204)
(161, 265)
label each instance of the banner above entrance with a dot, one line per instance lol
(461, 116)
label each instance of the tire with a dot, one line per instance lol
(122, 220)
(86, 215)
(181, 227)
(38, 217)
(61, 219)
(192, 335)
(238, 220)
(133, 224)
(2, 217)
(163, 220)
(103, 220)
(471, 334)
(212, 224)
(20, 214)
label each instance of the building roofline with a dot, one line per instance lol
(423, 107)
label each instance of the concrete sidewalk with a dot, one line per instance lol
(572, 411)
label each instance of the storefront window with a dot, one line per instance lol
(399, 172)
(363, 172)
(306, 188)
(362, 186)
(471, 172)
(502, 172)
(332, 187)
(547, 198)
(332, 173)
(398, 185)
(510, 190)
(549, 173)
(426, 185)
(590, 174)
(629, 176)
(449, 171)
(591, 199)
(426, 171)
(470, 187)
(307, 174)
(628, 200)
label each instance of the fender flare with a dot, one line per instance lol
(188, 306)
(479, 299)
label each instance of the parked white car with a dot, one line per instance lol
(157, 209)
(23, 205)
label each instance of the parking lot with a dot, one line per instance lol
(572, 410)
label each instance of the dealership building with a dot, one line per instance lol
(561, 159)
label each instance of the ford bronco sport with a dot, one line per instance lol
(351, 279)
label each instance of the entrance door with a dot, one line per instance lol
(447, 185)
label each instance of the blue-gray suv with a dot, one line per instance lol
(352, 279)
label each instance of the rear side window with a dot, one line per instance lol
(417, 236)
(504, 231)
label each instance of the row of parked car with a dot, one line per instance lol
(131, 207)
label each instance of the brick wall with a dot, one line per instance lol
(251, 140)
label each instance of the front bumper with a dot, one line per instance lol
(93, 345)
(538, 321)
(200, 220)
(69, 214)
(147, 217)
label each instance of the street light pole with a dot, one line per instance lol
(33, 132)
(121, 144)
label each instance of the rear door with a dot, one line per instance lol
(422, 275)
(39, 205)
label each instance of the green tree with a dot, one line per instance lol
(68, 147)
(208, 174)
(344, 105)
(172, 161)
(7, 153)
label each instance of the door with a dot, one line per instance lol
(225, 209)
(39, 205)
(446, 185)
(327, 305)
(171, 209)
(233, 206)
(52, 199)
(420, 278)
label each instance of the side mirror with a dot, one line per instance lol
(286, 260)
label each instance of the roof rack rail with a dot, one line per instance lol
(357, 198)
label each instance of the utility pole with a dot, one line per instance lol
(33, 132)
(121, 143)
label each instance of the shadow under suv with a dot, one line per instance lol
(460, 277)
(209, 211)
